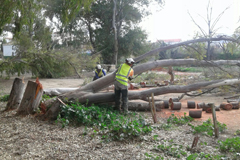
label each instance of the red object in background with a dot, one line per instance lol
(131, 87)
(39, 87)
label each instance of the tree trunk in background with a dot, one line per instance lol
(115, 33)
(170, 71)
(16, 94)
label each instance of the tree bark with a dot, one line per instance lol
(16, 94)
(31, 99)
(101, 83)
(115, 32)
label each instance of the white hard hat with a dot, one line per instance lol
(130, 61)
(99, 66)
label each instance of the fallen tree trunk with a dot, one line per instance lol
(107, 80)
(88, 97)
(144, 106)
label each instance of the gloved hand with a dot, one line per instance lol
(130, 78)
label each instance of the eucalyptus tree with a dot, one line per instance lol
(113, 28)
(6, 12)
(62, 14)
(32, 36)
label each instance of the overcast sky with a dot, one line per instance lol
(174, 22)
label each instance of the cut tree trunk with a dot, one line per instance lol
(16, 94)
(83, 97)
(144, 106)
(104, 82)
(31, 99)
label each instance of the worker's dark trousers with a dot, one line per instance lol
(121, 94)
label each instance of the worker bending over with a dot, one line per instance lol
(124, 73)
(99, 72)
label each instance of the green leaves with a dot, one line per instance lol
(208, 128)
(179, 121)
(115, 125)
(230, 145)
(4, 98)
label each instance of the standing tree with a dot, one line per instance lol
(113, 28)
(211, 25)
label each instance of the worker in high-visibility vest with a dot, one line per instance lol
(124, 73)
(99, 72)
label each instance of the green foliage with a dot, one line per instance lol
(172, 150)
(111, 124)
(65, 11)
(204, 156)
(4, 98)
(207, 128)
(131, 39)
(237, 132)
(187, 69)
(230, 145)
(179, 121)
(151, 156)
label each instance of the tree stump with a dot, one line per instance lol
(31, 99)
(16, 94)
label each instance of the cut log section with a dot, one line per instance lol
(226, 106)
(16, 94)
(176, 106)
(166, 104)
(195, 113)
(208, 110)
(201, 106)
(170, 103)
(235, 105)
(191, 104)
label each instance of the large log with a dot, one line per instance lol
(16, 94)
(144, 106)
(83, 97)
(107, 80)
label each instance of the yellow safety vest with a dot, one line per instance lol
(122, 74)
(100, 73)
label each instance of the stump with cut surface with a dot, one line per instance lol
(16, 94)
(31, 99)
